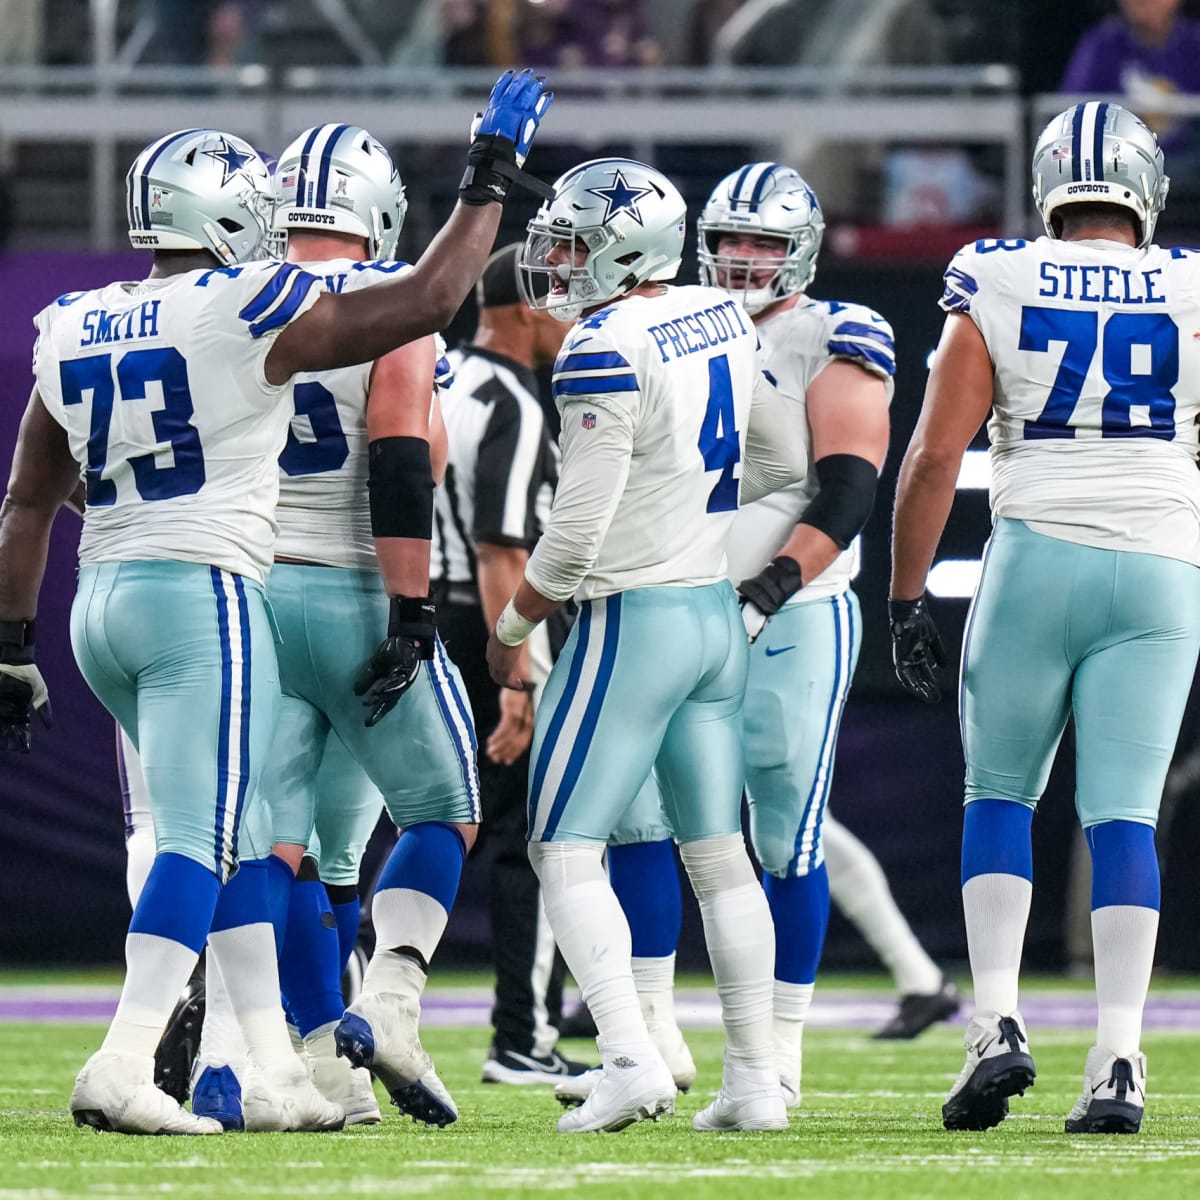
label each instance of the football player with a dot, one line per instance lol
(1081, 346)
(175, 394)
(655, 386)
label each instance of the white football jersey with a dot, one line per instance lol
(160, 388)
(324, 509)
(1097, 387)
(674, 375)
(798, 343)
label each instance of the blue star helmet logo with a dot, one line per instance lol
(619, 197)
(231, 160)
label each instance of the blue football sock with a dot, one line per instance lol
(309, 968)
(177, 901)
(280, 881)
(1124, 865)
(646, 881)
(997, 839)
(428, 859)
(245, 899)
(348, 916)
(800, 909)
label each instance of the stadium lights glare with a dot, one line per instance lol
(954, 578)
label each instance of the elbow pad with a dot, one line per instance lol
(843, 505)
(400, 485)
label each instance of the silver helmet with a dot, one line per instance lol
(623, 219)
(338, 177)
(1099, 153)
(767, 200)
(200, 189)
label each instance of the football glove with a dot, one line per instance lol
(22, 688)
(501, 137)
(917, 648)
(767, 592)
(396, 663)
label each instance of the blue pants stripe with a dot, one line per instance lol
(460, 722)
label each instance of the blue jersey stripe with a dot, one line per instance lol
(223, 722)
(269, 294)
(591, 714)
(591, 362)
(875, 332)
(594, 385)
(1077, 144)
(879, 358)
(145, 171)
(302, 174)
(326, 162)
(583, 627)
(1098, 142)
(302, 284)
(244, 731)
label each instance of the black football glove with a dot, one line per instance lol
(22, 688)
(917, 648)
(762, 596)
(396, 663)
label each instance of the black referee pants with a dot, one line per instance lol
(513, 897)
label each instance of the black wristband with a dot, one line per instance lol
(414, 617)
(492, 170)
(16, 642)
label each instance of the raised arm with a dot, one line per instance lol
(366, 324)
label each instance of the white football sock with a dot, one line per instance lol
(740, 937)
(996, 908)
(859, 888)
(221, 1040)
(245, 957)
(1123, 937)
(791, 1004)
(593, 935)
(654, 979)
(406, 917)
(156, 971)
(139, 858)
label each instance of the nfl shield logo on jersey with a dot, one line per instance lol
(589, 420)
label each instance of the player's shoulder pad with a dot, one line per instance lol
(590, 361)
(275, 292)
(973, 266)
(860, 335)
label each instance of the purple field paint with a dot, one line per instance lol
(471, 1007)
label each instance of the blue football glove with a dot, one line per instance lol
(501, 137)
(396, 663)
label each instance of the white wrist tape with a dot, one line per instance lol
(512, 628)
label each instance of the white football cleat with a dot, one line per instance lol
(626, 1091)
(1114, 1094)
(750, 1100)
(998, 1066)
(336, 1080)
(283, 1100)
(379, 1032)
(115, 1093)
(668, 1041)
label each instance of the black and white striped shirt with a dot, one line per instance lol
(502, 467)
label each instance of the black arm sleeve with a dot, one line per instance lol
(843, 505)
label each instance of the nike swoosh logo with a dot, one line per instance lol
(773, 650)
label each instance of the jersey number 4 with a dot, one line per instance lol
(172, 424)
(719, 443)
(1139, 358)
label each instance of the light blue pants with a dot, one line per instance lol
(421, 756)
(348, 809)
(183, 657)
(1057, 629)
(649, 678)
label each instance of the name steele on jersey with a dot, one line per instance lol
(720, 318)
(1100, 284)
(100, 325)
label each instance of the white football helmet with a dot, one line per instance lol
(768, 200)
(1101, 154)
(200, 189)
(624, 220)
(338, 177)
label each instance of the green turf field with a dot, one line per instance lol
(869, 1127)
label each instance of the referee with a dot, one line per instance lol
(488, 513)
